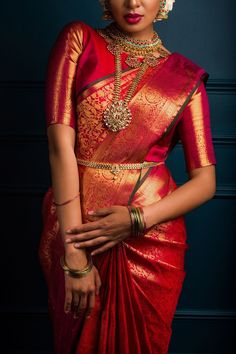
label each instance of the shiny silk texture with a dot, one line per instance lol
(141, 277)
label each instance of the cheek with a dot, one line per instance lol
(153, 6)
(115, 10)
(116, 7)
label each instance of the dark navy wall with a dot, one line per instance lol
(205, 32)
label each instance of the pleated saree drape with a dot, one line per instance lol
(141, 278)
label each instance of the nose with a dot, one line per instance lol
(132, 4)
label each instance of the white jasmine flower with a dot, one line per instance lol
(169, 5)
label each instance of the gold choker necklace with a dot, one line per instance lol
(118, 116)
(134, 47)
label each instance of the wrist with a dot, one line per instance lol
(76, 273)
(149, 218)
(76, 258)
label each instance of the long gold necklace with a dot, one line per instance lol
(118, 116)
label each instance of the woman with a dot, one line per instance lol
(114, 238)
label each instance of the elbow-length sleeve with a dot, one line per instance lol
(194, 131)
(61, 74)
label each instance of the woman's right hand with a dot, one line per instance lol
(80, 293)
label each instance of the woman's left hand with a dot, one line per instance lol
(111, 226)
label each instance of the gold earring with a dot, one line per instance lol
(162, 14)
(107, 15)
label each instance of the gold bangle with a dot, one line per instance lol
(138, 225)
(76, 273)
(143, 219)
(67, 201)
(142, 224)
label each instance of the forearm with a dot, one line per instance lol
(65, 183)
(187, 197)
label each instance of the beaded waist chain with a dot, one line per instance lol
(115, 168)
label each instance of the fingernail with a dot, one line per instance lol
(93, 253)
(77, 245)
(90, 212)
(68, 240)
(68, 231)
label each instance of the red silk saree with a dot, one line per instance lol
(141, 278)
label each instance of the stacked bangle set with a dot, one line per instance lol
(138, 228)
(138, 224)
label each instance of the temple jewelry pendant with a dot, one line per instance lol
(117, 116)
(133, 62)
(152, 60)
(115, 171)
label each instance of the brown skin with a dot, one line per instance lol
(148, 8)
(113, 225)
(109, 226)
(65, 182)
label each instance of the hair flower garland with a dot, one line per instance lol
(165, 7)
(169, 5)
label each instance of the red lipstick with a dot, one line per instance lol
(133, 18)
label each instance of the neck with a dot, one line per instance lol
(145, 34)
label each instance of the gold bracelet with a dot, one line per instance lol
(66, 202)
(76, 273)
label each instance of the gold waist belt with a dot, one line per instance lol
(115, 168)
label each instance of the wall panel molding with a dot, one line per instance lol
(179, 314)
(221, 86)
(213, 85)
(34, 332)
(205, 314)
(205, 318)
(39, 137)
(222, 192)
(22, 84)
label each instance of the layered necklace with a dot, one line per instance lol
(118, 116)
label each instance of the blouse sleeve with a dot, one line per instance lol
(61, 73)
(194, 131)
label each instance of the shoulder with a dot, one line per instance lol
(186, 62)
(186, 66)
(76, 31)
(76, 26)
(182, 59)
(71, 40)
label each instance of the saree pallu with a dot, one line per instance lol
(141, 277)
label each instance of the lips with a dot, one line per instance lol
(133, 18)
(133, 15)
